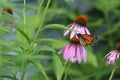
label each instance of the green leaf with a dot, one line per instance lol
(39, 56)
(44, 48)
(22, 36)
(91, 57)
(59, 44)
(57, 26)
(46, 40)
(41, 68)
(57, 65)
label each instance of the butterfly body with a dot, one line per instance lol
(86, 39)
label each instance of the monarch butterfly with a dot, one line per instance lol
(86, 39)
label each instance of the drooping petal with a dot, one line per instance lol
(66, 54)
(73, 32)
(72, 51)
(63, 49)
(84, 54)
(66, 32)
(86, 31)
(79, 52)
(74, 59)
(71, 26)
(81, 30)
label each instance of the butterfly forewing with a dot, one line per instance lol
(86, 39)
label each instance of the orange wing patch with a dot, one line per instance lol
(86, 39)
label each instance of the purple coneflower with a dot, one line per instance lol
(79, 25)
(113, 56)
(8, 21)
(74, 51)
(8, 10)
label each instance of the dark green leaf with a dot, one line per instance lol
(44, 48)
(57, 65)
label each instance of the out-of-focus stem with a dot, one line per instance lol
(62, 71)
(113, 71)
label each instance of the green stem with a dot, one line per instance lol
(40, 7)
(62, 71)
(26, 39)
(67, 73)
(22, 76)
(41, 24)
(42, 20)
(24, 12)
(24, 65)
(113, 71)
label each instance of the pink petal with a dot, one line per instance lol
(86, 31)
(81, 30)
(61, 51)
(66, 54)
(66, 32)
(79, 57)
(73, 32)
(72, 51)
(73, 59)
(84, 54)
(71, 26)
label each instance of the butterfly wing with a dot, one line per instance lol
(86, 39)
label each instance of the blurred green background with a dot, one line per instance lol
(103, 22)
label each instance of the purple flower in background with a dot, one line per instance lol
(10, 18)
(74, 51)
(113, 56)
(8, 10)
(79, 25)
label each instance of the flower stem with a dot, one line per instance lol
(24, 18)
(113, 71)
(43, 18)
(24, 12)
(39, 7)
(62, 71)
(41, 23)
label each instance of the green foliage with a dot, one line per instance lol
(91, 57)
(31, 51)
(57, 65)
(103, 5)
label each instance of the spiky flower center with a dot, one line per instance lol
(118, 47)
(8, 10)
(81, 20)
(75, 40)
